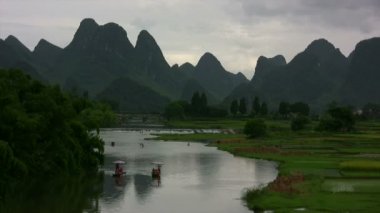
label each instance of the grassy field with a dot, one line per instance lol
(319, 172)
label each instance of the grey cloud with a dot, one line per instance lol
(350, 14)
(236, 31)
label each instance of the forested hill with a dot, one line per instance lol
(44, 131)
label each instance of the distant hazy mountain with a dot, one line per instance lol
(20, 49)
(46, 53)
(212, 76)
(362, 84)
(133, 97)
(187, 69)
(264, 66)
(152, 64)
(97, 55)
(313, 76)
(101, 56)
(193, 86)
(13, 54)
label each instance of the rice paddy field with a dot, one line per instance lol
(318, 171)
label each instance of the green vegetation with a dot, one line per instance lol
(206, 123)
(234, 107)
(299, 122)
(243, 106)
(198, 107)
(318, 171)
(45, 132)
(58, 194)
(337, 119)
(255, 128)
(174, 111)
(360, 165)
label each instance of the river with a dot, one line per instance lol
(195, 178)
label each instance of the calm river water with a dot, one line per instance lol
(195, 178)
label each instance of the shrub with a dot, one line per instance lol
(255, 128)
(174, 110)
(337, 119)
(299, 122)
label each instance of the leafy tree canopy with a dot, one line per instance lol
(337, 119)
(45, 131)
(255, 128)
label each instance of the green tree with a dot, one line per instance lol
(284, 109)
(243, 106)
(371, 111)
(263, 109)
(337, 119)
(234, 107)
(203, 105)
(45, 131)
(300, 108)
(196, 102)
(299, 122)
(174, 111)
(255, 128)
(256, 106)
(203, 100)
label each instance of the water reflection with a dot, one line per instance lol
(79, 194)
(114, 188)
(194, 178)
(143, 186)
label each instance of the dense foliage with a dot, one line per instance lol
(256, 106)
(44, 131)
(243, 106)
(371, 111)
(234, 107)
(198, 107)
(299, 122)
(297, 108)
(337, 119)
(174, 110)
(255, 128)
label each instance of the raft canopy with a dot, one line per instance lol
(157, 163)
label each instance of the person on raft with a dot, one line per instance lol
(118, 170)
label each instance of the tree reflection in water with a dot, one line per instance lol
(143, 186)
(74, 195)
(114, 188)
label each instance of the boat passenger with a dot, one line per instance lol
(118, 170)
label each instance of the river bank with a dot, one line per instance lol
(318, 172)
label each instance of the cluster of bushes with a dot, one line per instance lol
(255, 128)
(370, 111)
(336, 119)
(299, 108)
(44, 131)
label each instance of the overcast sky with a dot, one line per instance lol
(237, 32)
